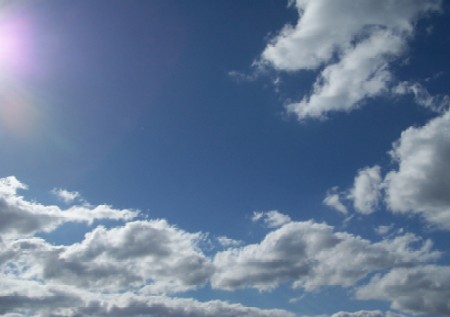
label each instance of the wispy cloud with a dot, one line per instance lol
(438, 103)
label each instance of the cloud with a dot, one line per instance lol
(130, 269)
(438, 103)
(354, 43)
(366, 313)
(421, 184)
(65, 195)
(10, 185)
(312, 255)
(227, 242)
(333, 200)
(150, 254)
(383, 230)
(361, 73)
(366, 191)
(20, 216)
(418, 290)
(272, 219)
(63, 300)
(174, 307)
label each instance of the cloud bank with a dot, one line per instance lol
(137, 267)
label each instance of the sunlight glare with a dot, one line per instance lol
(17, 105)
(12, 47)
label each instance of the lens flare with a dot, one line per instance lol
(18, 107)
(13, 46)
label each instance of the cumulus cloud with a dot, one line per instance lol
(21, 216)
(130, 269)
(421, 184)
(354, 43)
(366, 191)
(333, 200)
(312, 255)
(150, 254)
(418, 290)
(272, 219)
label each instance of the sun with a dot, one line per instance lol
(17, 105)
(13, 46)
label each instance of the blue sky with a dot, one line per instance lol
(225, 158)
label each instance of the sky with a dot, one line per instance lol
(225, 158)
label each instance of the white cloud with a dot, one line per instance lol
(421, 184)
(129, 269)
(438, 103)
(16, 299)
(227, 242)
(361, 73)
(65, 195)
(312, 255)
(366, 191)
(356, 43)
(418, 290)
(383, 230)
(150, 254)
(366, 313)
(20, 216)
(10, 185)
(272, 219)
(333, 200)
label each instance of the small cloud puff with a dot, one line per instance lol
(227, 242)
(65, 195)
(333, 200)
(272, 219)
(366, 191)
